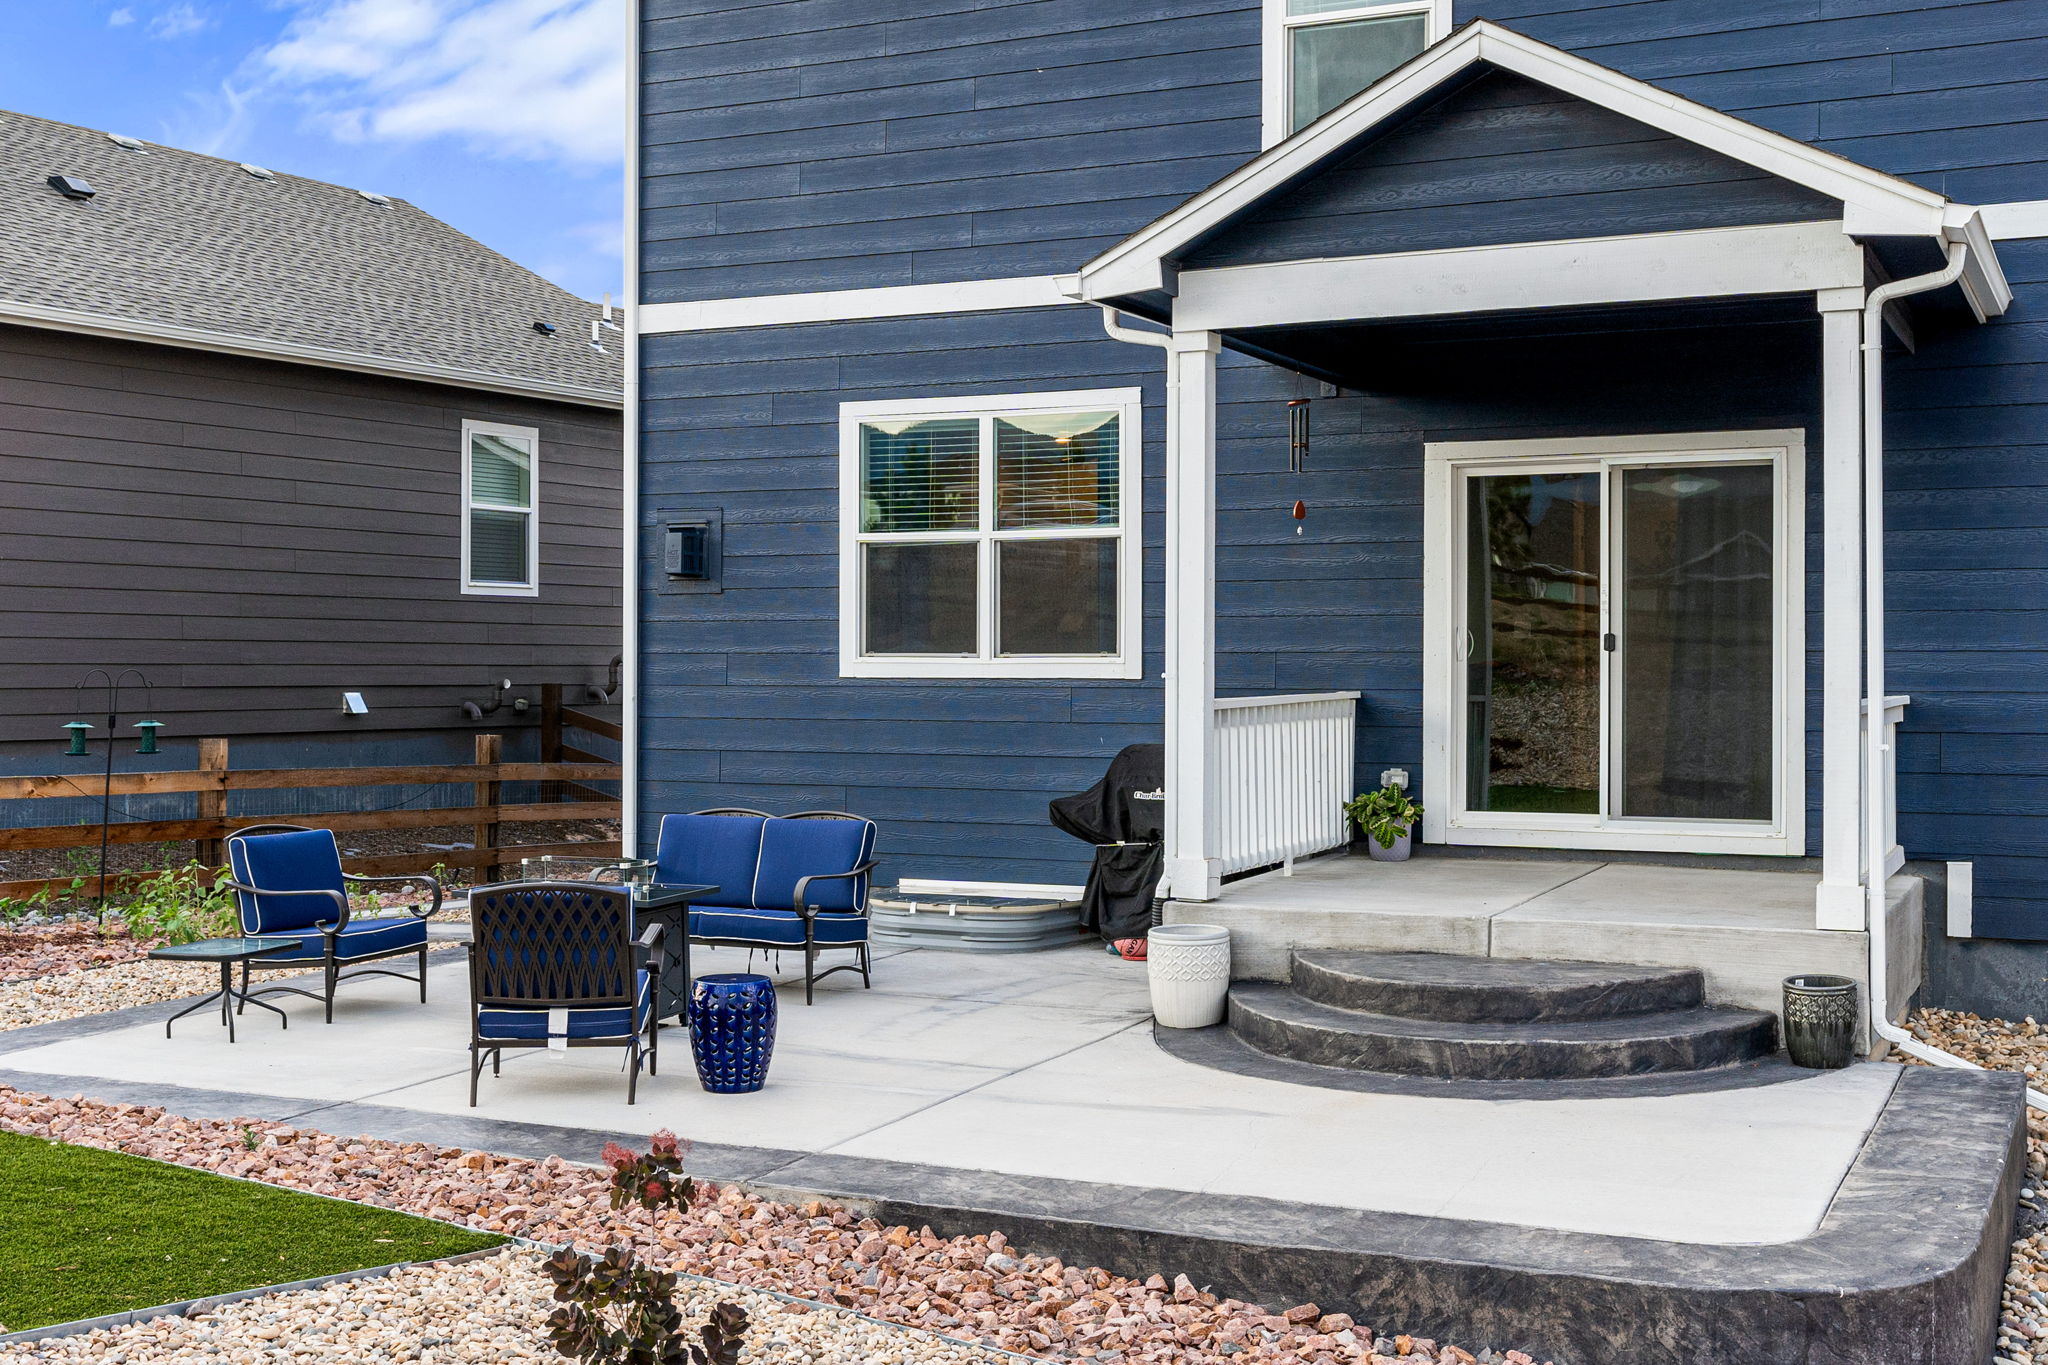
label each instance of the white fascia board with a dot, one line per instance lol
(849, 305)
(257, 348)
(1877, 202)
(2022, 219)
(1710, 263)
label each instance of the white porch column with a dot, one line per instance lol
(1192, 870)
(1839, 903)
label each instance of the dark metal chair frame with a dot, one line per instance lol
(332, 974)
(804, 912)
(643, 953)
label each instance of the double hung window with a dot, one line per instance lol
(991, 537)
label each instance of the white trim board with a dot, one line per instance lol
(2016, 221)
(1873, 201)
(846, 305)
(1705, 263)
(1443, 713)
(322, 357)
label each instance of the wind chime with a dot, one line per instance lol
(1297, 451)
(77, 749)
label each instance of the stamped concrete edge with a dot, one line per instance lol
(186, 1308)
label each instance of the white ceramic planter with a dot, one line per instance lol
(1397, 854)
(1189, 967)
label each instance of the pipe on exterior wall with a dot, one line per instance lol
(1874, 767)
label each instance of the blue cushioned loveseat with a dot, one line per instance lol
(791, 881)
(289, 885)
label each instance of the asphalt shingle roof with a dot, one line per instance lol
(173, 238)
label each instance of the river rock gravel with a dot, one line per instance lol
(977, 1288)
(95, 990)
(489, 1310)
(2007, 1045)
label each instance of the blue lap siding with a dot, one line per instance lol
(822, 144)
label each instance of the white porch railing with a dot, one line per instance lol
(1888, 791)
(1283, 773)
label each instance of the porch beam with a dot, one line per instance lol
(1784, 258)
(1839, 900)
(1193, 871)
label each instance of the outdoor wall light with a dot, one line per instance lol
(149, 729)
(77, 729)
(352, 704)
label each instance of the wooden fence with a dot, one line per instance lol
(565, 790)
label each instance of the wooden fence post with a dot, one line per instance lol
(551, 736)
(212, 802)
(489, 749)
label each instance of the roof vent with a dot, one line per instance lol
(375, 198)
(71, 186)
(546, 329)
(257, 171)
(133, 144)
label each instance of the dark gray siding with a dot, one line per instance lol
(1504, 159)
(258, 537)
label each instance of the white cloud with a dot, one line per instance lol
(541, 78)
(177, 22)
(121, 18)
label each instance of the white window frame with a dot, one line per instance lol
(1445, 818)
(471, 586)
(1276, 48)
(1127, 662)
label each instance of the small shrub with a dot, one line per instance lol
(181, 905)
(616, 1311)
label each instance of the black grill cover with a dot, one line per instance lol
(1124, 816)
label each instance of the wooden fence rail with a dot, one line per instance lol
(564, 784)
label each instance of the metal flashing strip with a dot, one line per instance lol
(260, 348)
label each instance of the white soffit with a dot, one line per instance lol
(1785, 258)
(1873, 202)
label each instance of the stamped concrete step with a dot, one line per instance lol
(1455, 988)
(1277, 1020)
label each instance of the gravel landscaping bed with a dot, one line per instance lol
(487, 1310)
(68, 995)
(2008, 1046)
(31, 950)
(979, 1288)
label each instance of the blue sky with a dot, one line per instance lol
(503, 117)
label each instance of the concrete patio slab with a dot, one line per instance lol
(1044, 1066)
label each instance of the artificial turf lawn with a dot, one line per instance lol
(85, 1232)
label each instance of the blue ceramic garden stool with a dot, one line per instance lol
(732, 1031)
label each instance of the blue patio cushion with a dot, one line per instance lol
(302, 861)
(606, 1022)
(362, 938)
(776, 928)
(794, 849)
(710, 850)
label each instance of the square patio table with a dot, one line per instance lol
(668, 904)
(227, 952)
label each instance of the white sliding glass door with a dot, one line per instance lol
(1614, 633)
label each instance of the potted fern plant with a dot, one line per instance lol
(1387, 820)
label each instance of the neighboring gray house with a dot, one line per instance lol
(271, 440)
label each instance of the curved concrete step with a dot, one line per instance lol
(1447, 987)
(1276, 1020)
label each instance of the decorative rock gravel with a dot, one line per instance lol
(978, 1287)
(489, 1310)
(39, 950)
(68, 995)
(2007, 1046)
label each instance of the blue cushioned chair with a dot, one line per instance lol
(794, 881)
(288, 884)
(555, 964)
